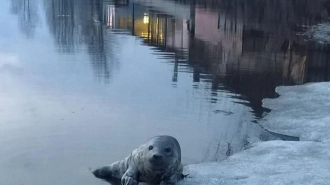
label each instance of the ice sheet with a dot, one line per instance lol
(273, 162)
(302, 111)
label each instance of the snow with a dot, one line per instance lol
(273, 162)
(301, 111)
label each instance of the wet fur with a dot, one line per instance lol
(137, 167)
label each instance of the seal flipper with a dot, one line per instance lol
(103, 172)
(114, 170)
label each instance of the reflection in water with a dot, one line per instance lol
(61, 20)
(218, 58)
(233, 46)
(76, 25)
(27, 13)
(227, 45)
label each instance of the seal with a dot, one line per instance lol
(158, 161)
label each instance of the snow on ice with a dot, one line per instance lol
(302, 111)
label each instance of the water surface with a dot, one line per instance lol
(83, 82)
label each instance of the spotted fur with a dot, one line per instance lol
(158, 161)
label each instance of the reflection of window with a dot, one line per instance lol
(145, 18)
(111, 16)
(151, 27)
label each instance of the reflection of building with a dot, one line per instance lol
(230, 47)
(154, 27)
(219, 29)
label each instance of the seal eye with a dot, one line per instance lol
(151, 147)
(168, 150)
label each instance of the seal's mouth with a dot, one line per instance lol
(156, 167)
(157, 164)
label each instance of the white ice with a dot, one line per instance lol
(302, 111)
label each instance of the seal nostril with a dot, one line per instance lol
(157, 156)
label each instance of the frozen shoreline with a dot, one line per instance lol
(299, 111)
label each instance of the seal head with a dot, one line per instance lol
(156, 161)
(160, 153)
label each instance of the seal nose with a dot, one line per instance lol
(157, 156)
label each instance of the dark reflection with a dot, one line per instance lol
(61, 23)
(76, 24)
(246, 47)
(27, 13)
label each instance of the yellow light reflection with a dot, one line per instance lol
(145, 19)
(150, 28)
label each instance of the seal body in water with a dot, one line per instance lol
(158, 161)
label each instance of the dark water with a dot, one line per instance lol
(83, 82)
